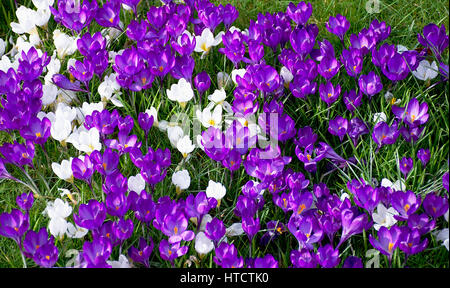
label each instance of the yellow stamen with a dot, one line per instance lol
(393, 100)
(413, 117)
(390, 246)
(104, 166)
(406, 207)
(309, 157)
(111, 20)
(144, 80)
(38, 134)
(16, 229)
(47, 257)
(329, 95)
(301, 208)
(24, 155)
(140, 253)
(175, 230)
(212, 122)
(161, 68)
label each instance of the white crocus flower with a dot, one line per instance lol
(218, 97)
(49, 93)
(136, 183)
(42, 17)
(401, 48)
(121, 263)
(75, 231)
(87, 141)
(286, 75)
(398, 185)
(109, 90)
(234, 230)
(215, 190)
(175, 133)
(61, 129)
(5, 64)
(426, 70)
(443, 236)
(2, 47)
(236, 72)
(223, 80)
(207, 40)
(379, 117)
(43, 4)
(58, 209)
(57, 227)
(384, 217)
(185, 146)
(66, 112)
(181, 180)
(64, 44)
(153, 112)
(27, 21)
(181, 92)
(203, 245)
(210, 119)
(63, 170)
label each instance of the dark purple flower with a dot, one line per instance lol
(434, 205)
(83, 169)
(123, 229)
(405, 165)
(82, 71)
(245, 207)
(107, 163)
(109, 14)
(388, 240)
(31, 64)
(18, 154)
(105, 121)
(199, 205)
(175, 226)
(37, 130)
(406, 203)
(250, 226)
(184, 67)
(106, 230)
(410, 241)
(396, 68)
(421, 222)
(300, 13)
(34, 240)
(303, 259)
(64, 83)
(328, 67)
(327, 256)
(266, 78)
(414, 114)
(170, 252)
(25, 201)
(132, 3)
(215, 230)
(142, 254)
(14, 225)
(383, 54)
(305, 137)
(445, 180)
(74, 15)
(213, 140)
(380, 29)
(424, 156)
(338, 127)
(338, 25)
(352, 262)
(144, 207)
(352, 223)
(274, 230)
(384, 135)
(145, 121)
(117, 204)
(229, 14)
(357, 128)
(353, 61)
(46, 255)
(227, 256)
(124, 143)
(302, 41)
(434, 38)
(91, 215)
(306, 229)
(364, 41)
(329, 93)
(366, 197)
(370, 84)
(202, 82)
(96, 253)
(265, 262)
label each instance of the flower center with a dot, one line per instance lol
(38, 134)
(406, 207)
(301, 208)
(390, 246)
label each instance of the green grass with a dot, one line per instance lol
(406, 18)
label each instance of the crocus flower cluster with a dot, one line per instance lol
(117, 172)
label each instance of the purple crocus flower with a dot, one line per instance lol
(357, 128)
(83, 169)
(353, 61)
(414, 114)
(380, 29)
(161, 62)
(213, 140)
(215, 230)
(445, 180)
(145, 121)
(274, 230)
(396, 68)
(18, 154)
(406, 203)
(14, 225)
(388, 240)
(199, 205)
(123, 229)
(366, 197)
(338, 127)
(37, 130)
(31, 65)
(424, 156)
(91, 215)
(327, 256)
(64, 83)
(352, 262)
(82, 71)
(301, 87)
(434, 205)
(250, 226)
(434, 38)
(74, 15)
(303, 258)
(124, 143)
(202, 82)
(90, 45)
(34, 240)
(25, 201)
(170, 252)
(302, 41)
(144, 207)
(421, 222)
(46, 255)
(109, 14)
(352, 223)
(266, 78)
(229, 14)
(300, 13)
(306, 229)
(245, 207)
(410, 241)
(107, 163)
(265, 262)
(132, 3)
(384, 135)
(329, 93)
(117, 204)
(175, 227)
(106, 230)
(305, 137)
(183, 68)
(364, 41)
(105, 121)
(370, 84)
(142, 254)
(227, 256)
(328, 67)
(405, 165)
(338, 25)
(96, 253)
